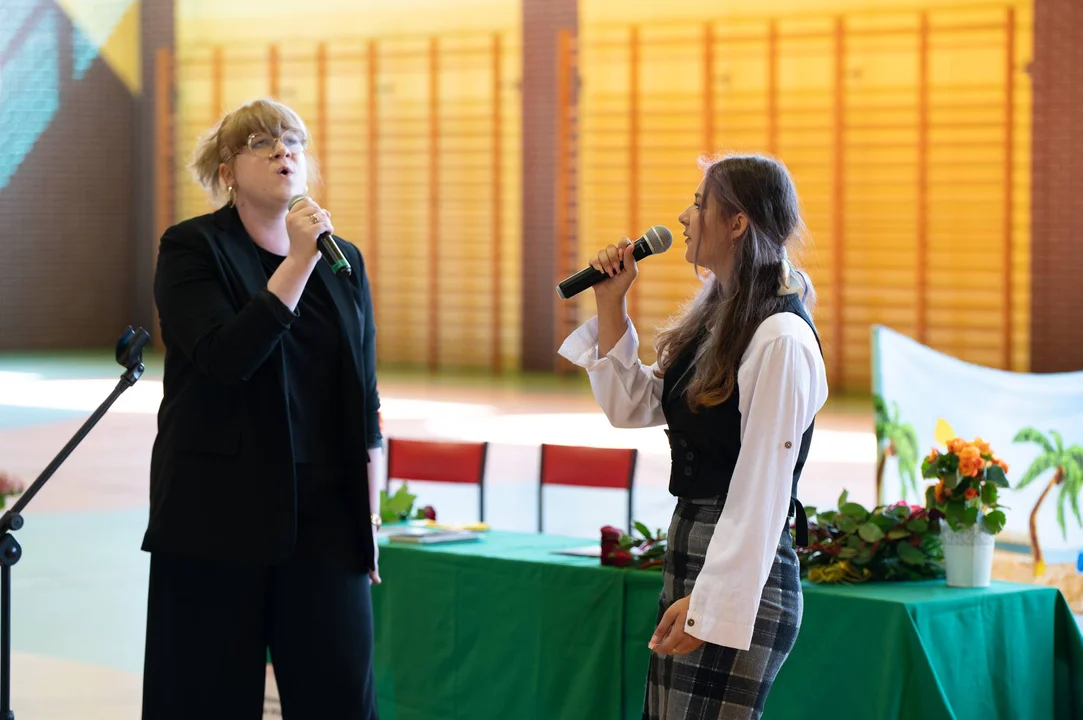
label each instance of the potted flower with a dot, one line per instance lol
(965, 500)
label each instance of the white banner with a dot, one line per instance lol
(923, 386)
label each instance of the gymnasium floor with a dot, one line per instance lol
(79, 593)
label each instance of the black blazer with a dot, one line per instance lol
(222, 480)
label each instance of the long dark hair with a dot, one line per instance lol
(761, 188)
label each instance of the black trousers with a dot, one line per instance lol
(209, 627)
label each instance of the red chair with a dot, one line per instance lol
(438, 461)
(576, 466)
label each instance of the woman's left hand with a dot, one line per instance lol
(374, 574)
(669, 637)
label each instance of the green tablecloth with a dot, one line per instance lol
(506, 629)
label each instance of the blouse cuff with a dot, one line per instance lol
(581, 347)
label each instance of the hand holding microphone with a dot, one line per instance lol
(304, 219)
(613, 270)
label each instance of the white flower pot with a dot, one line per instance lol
(968, 555)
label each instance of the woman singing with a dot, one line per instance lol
(264, 485)
(738, 381)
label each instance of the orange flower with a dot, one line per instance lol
(956, 444)
(982, 446)
(933, 455)
(970, 461)
(971, 493)
(940, 492)
(1003, 465)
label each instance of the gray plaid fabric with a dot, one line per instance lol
(714, 681)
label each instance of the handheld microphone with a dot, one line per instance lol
(656, 240)
(328, 247)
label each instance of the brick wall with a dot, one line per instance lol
(1057, 210)
(542, 20)
(71, 272)
(157, 31)
(66, 275)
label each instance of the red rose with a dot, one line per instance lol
(430, 513)
(610, 533)
(620, 558)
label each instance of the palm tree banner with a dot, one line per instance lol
(1034, 421)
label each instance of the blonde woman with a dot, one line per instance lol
(738, 382)
(264, 480)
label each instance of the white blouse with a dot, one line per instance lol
(782, 384)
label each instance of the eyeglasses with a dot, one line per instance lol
(263, 145)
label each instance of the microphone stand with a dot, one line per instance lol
(130, 355)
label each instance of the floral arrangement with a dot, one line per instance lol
(642, 551)
(852, 544)
(400, 507)
(10, 486)
(969, 475)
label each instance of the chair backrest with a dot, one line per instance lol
(579, 466)
(438, 461)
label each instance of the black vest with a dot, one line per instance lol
(704, 445)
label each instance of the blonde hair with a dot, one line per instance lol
(230, 134)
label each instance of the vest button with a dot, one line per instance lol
(684, 443)
(687, 470)
(691, 622)
(789, 444)
(689, 455)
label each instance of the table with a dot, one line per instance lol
(506, 629)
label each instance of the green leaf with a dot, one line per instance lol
(870, 532)
(994, 522)
(951, 480)
(1059, 441)
(1075, 454)
(842, 498)
(995, 474)
(847, 553)
(930, 497)
(855, 511)
(1075, 481)
(971, 515)
(910, 554)
(1032, 435)
(989, 494)
(644, 530)
(1061, 497)
(846, 524)
(397, 506)
(930, 470)
(863, 557)
(853, 541)
(1045, 461)
(898, 533)
(879, 409)
(919, 526)
(898, 514)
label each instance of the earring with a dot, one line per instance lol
(230, 198)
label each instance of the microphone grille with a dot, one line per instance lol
(294, 200)
(659, 238)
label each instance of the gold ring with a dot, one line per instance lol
(315, 217)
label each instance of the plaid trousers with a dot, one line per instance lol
(714, 681)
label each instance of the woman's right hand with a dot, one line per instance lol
(303, 228)
(620, 279)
